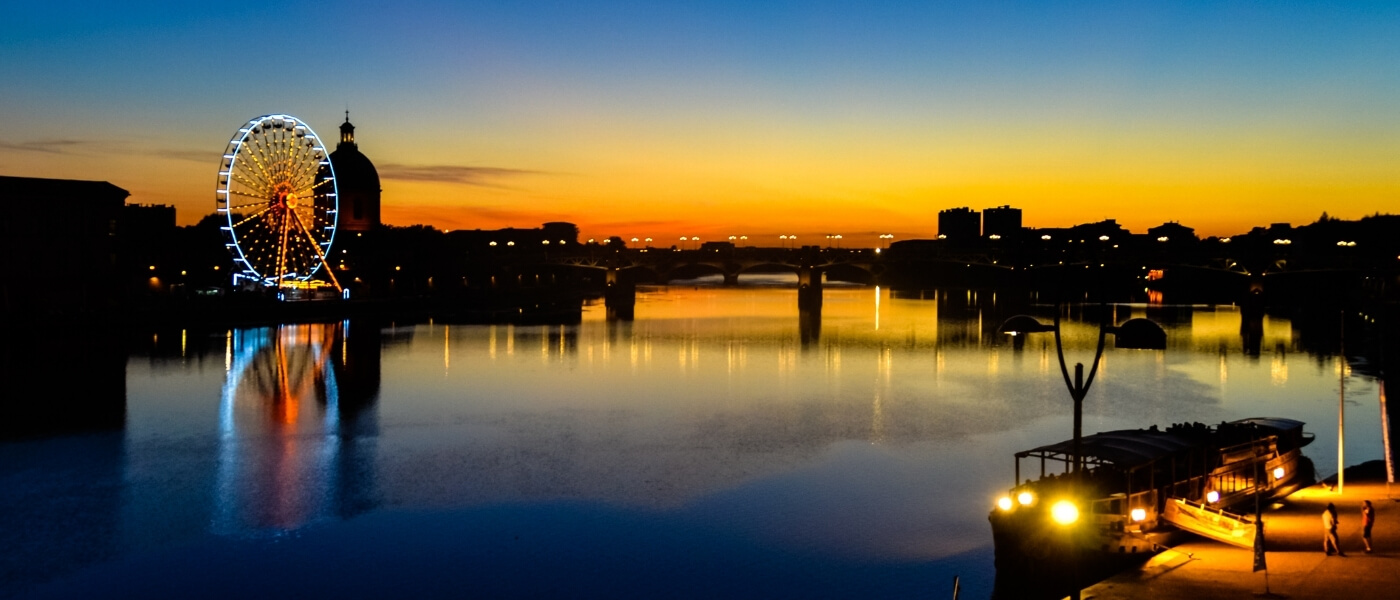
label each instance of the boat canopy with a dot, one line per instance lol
(1126, 449)
(1276, 423)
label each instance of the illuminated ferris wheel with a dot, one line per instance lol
(278, 196)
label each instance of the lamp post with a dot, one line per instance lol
(1134, 333)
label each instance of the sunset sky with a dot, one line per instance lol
(724, 118)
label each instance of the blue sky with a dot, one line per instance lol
(664, 111)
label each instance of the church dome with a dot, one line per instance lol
(356, 182)
(353, 171)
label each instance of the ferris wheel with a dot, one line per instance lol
(277, 194)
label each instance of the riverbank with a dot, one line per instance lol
(1298, 569)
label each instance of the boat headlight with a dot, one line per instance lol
(1279, 472)
(1025, 498)
(1004, 503)
(1064, 512)
(1139, 515)
(1212, 496)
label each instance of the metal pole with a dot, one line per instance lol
(1078, 394)
(1341, 402)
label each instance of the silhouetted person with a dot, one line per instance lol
(1368, 519)
(1329, 531)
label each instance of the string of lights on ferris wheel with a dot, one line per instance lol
(277, 194)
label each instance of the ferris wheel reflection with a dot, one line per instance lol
(297, 427)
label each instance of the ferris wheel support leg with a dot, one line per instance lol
(319, 254)
(282, 251)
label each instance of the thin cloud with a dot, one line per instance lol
(463, 175)
(46, 146)
(91, 147)
(468, 217)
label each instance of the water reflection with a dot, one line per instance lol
(869, 436)
(296, 427)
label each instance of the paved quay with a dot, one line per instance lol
(1298, 568)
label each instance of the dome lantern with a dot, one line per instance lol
(347, 132)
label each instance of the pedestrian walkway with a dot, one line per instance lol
(1298, 569)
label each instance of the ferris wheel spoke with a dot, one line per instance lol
(276, 172)
(306, 175)
(252, 216)
(256, 170)
(249, 205)
(264, 197)
(319, 183)
(307, 191)
(259, 155)
(266, 188)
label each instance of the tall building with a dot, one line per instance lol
(59, 238)
(959, 224)
(1002, 221)
(357, 183)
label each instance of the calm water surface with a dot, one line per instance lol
(717, 446)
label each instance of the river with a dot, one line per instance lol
(719, 445)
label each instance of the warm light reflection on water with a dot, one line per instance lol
(718, 413)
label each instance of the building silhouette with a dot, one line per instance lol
(1002, 221)
(60, 238)
(357, 216)
(959, 224)
(356, 182)
(1172, 235)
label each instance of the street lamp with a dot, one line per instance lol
(1134, 333)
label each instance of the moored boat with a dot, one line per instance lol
(1137, 490)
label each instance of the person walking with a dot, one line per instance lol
(1329, 531)
(1368, 519)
